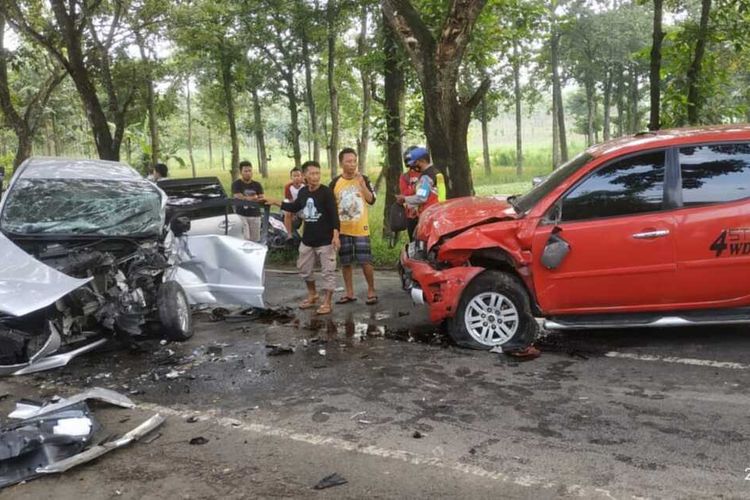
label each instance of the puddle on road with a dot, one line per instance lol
(351, 331)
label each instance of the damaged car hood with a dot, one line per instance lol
(27, 285)
(460, 213)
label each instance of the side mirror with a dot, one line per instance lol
(555, 250)
(180, 225)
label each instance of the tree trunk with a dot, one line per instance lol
(227, 82)
(517, 99)
(557, 95)
(555, 136)
(364, 136)
(694, 98)
(12, 118)
(260, 139)
(394, 95)
(485, 138)
(332, 90)
(309, 99)
(210, 149)
(589, 85)
(634, 98)
(607, 105)
(294, 116)
(621, 104)
(437, 63)
(153, 128)
(190, 130)
(654, 122)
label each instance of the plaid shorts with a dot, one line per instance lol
(355, 248)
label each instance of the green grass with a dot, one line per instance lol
(502, 180)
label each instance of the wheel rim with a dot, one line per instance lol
(183, 312)
(491, 318)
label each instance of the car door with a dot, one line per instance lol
(620, 235)
(713, 232)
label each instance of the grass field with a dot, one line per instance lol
(503, 180)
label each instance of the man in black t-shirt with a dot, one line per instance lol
(248, 190)
(320, 237)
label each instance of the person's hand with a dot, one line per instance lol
(336, 242)
(400, 199)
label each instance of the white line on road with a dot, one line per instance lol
(376, 451)
(683, 361)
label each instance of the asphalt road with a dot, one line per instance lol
(376, 395)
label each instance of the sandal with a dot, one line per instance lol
(309, 302)
(346, 299)
(324, 309)
(372, 300)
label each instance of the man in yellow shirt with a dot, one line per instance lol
(353, 192)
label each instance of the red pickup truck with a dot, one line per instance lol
(647, 230)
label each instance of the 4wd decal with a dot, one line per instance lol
(736, 240)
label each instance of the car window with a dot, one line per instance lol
(540, 191)
(82, 206)
(715, 173)
(629, 186)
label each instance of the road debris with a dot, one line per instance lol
(198, 440)
(54, 437)
(417, 435)
(329, 481)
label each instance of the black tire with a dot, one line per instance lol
(511, 294)
(174, 312)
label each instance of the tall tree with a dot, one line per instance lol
(654, 122)
(394, 88)
(332, 13)
(80, 35)
(437, 62)
(24, 122)
(694, 71)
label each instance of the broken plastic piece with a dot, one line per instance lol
(25, 410)
(97, 451)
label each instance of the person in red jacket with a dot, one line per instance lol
(408, 187)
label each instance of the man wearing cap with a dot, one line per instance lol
(431, 186)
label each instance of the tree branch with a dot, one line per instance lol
(475, 99)
(412, 33)
(455, 34)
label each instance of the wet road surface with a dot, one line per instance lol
(381, 397)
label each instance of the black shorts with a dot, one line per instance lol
(355, 248)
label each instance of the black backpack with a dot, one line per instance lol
(397, 217)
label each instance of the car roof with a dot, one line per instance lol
(672, 137)
(66, 168)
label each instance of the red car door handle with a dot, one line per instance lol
(650, 235)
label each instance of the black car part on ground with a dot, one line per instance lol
(36, 442)
(56, 437)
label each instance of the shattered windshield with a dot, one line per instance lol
(524, 203)
(82, 206)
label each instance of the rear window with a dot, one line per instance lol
(82, 206)
(715, 173)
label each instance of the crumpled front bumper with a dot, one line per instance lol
(439, 289)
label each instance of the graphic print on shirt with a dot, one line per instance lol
(310, 212)
(351, 204)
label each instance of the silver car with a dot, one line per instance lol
(89, 252)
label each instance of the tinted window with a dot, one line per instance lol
(715, 174)
(526, 202)
(630, 186)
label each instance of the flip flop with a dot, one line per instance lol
(372, 300)
(308, 303)
(345, 300)
(324, 309)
